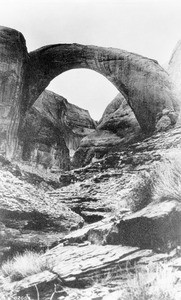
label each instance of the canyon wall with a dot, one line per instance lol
(52, 131)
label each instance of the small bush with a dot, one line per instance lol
(142, 192)
(150, 283)
(163, 183)
(23, 265)
(168, 182)
(9, 297)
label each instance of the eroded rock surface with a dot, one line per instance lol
(28, 219)
(13, 55)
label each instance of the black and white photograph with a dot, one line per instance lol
(90, 150)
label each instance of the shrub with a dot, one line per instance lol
(142, 192)
(150, 283)
(168, 183)
(23, 265)
(7, 296)
(163, 183)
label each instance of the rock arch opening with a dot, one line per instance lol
(54, 126)
(86, 89)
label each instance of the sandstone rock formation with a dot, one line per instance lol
(119, 118)
(144, 84)
(13, 55)
(52, 131)
(118, 126)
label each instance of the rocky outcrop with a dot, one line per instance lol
(29, 220)
(94, 253)
(144, 84)
(118, 126)
(104, 186)
(68, 271)
(52, 131)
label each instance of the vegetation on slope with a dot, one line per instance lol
(24, 265)
(162, 183)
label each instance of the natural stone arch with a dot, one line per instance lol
(144, 84)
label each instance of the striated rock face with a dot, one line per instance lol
(13, 55)
(144, 84)
(52, 131)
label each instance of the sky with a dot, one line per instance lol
(147, 27)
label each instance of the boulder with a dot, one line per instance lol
(157, 227)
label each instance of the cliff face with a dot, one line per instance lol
(13, 54)
(52, 131)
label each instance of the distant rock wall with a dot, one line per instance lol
(52, 131)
